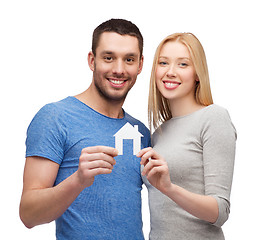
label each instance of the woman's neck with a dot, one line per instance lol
(184, 107)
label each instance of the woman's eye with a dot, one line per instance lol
(163, 63)
(183, 64)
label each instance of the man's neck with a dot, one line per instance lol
(93, 99)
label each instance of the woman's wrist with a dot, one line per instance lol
(169, 190)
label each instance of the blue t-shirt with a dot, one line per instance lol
(111, 207)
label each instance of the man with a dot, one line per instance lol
(73, 173)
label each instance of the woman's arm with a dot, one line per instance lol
(157, 173)
(201, 206)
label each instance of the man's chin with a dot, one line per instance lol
(114, 97)
(118, 98)
(112, 94)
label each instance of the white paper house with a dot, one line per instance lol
(128, 132)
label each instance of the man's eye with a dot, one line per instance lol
(130, 60)
(108, 58)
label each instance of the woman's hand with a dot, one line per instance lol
(155, 169)
(157, 172)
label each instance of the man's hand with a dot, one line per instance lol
(95, 161)
(42, 202)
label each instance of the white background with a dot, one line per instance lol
(43, 52)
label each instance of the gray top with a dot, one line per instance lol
(200, 151)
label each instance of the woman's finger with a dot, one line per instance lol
(150, 165)
(143, 151)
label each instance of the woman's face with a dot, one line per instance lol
(175, 73)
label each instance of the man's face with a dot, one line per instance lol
(116, 65)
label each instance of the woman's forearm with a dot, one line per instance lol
(157, 172)
(201, 206)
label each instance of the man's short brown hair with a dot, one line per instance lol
(120, 26)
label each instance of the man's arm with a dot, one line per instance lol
(41, 202)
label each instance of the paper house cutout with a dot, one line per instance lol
(128, 132)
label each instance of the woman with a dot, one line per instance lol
(189, 170)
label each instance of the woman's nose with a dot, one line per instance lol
(171, 72)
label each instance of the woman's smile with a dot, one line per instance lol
(171, 84)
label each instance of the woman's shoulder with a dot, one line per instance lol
(217, 117)
(215, 111)
(214, 108)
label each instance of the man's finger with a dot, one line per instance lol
(104, 149)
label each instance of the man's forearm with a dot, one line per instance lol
(40, 206)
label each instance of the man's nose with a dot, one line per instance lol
(119, 67)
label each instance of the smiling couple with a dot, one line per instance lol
(74, 175)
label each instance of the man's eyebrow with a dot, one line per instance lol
(132, 55)
(106, 52)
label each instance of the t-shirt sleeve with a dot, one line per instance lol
(219, 142)
(45, 135)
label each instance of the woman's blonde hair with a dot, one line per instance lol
(158, 106)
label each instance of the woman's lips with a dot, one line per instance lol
(171, 84)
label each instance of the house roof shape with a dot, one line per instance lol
(128, 132)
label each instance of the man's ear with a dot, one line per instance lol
(141, 65)
(91, 59)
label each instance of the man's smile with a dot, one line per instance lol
(116, 82)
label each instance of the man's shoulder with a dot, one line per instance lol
(58, 107)
(62, 104)
(53, 111)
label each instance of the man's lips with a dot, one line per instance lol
(117, 82)
(171, 84)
